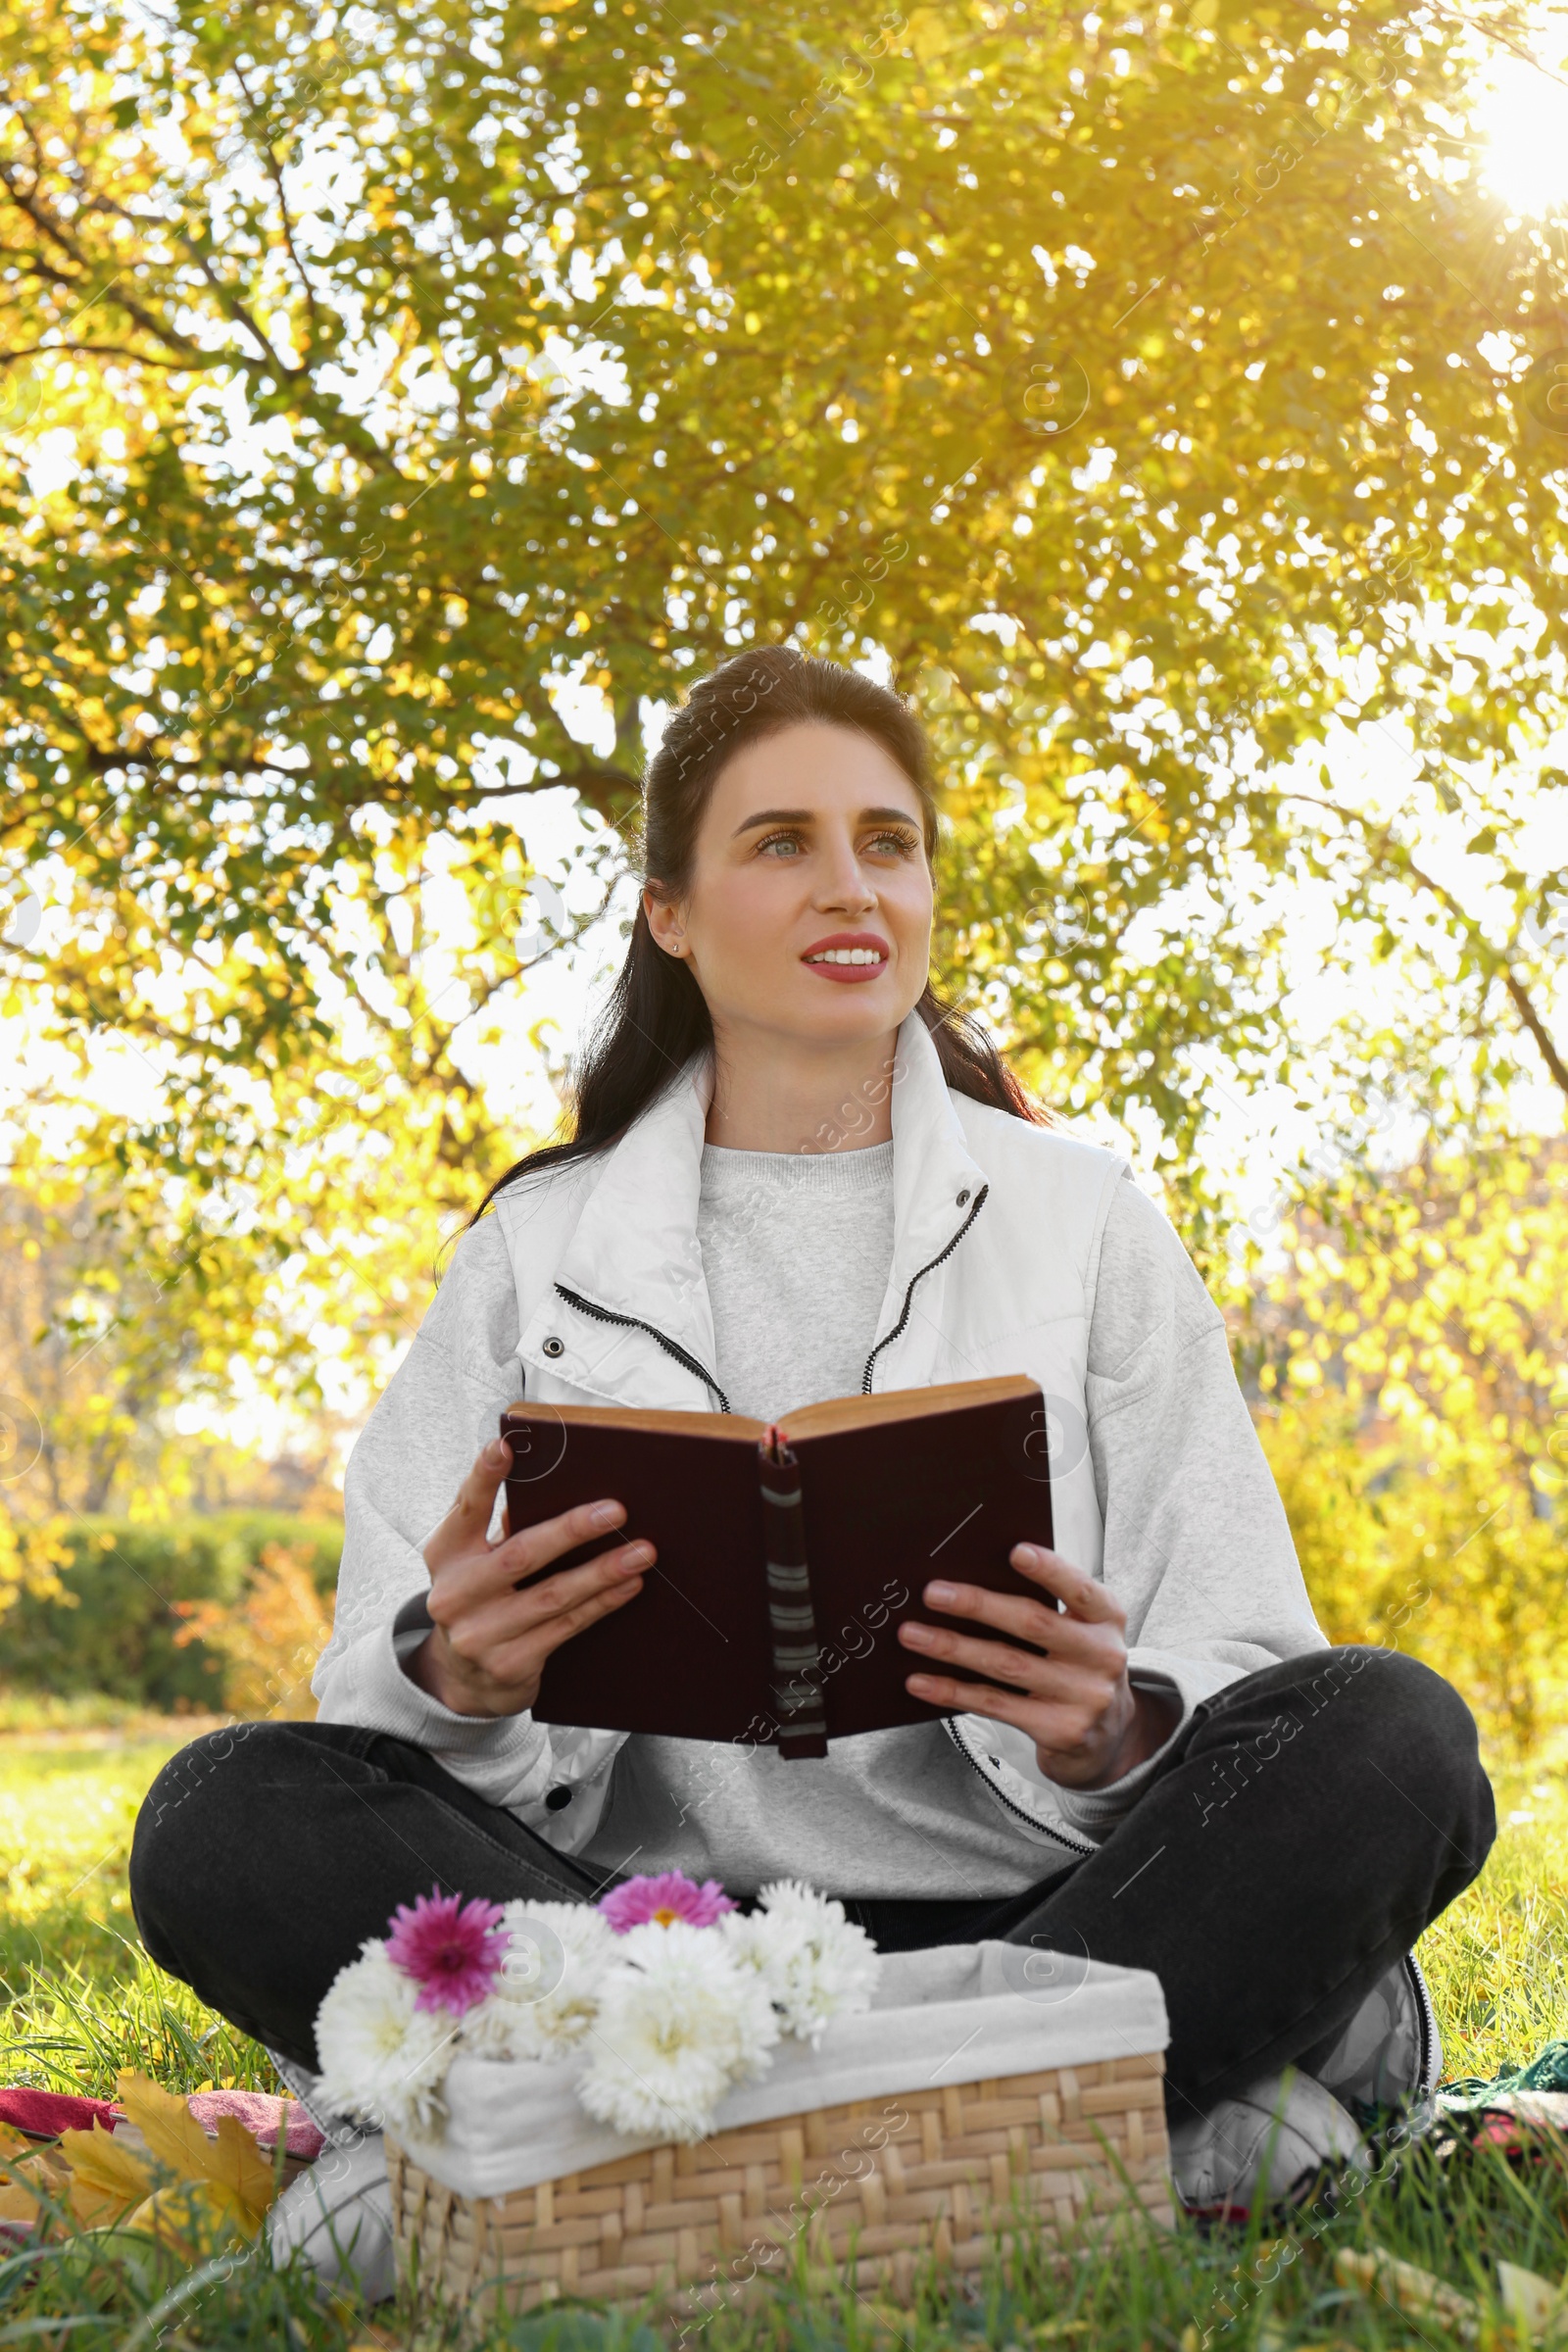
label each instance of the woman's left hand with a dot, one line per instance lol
(1090, 1727)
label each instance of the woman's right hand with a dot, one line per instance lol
(490, 1642)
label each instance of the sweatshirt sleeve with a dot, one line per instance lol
(439, 1408)
(1196, 1546)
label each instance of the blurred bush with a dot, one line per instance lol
(160, 1615)
(268, 1638)
(1460, 1566)
(1407, 1347)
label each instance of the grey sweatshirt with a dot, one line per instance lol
(1191, 1520)
(796, 1251)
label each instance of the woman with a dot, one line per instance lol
(794, 1175)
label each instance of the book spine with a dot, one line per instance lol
(792, 1622)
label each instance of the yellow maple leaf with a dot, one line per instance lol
(19, 2202)
(36, 2194)
(104, 2178)
(32, 2180)
(238, 2166)
(171, 2130)
(231, 2166)
(182, 2216)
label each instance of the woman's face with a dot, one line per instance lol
(810, 908)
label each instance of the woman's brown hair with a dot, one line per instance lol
(657, 1018)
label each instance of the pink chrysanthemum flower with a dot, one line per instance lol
(663, 1899)
(452, 1949)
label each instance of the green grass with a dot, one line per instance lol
(81, 1998)
(1498, 1960)
(68, 1803)
(80, 2001)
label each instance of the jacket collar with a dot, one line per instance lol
(634, 1248)
(935, 1177)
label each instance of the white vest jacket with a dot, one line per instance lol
(999, 1233)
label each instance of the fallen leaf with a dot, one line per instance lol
(1409, 2288)
(18, 2203)
(232, 2164)
(182, 2216)
(237, 2165)
(104, 2177)
(1534, 2304)
(167, 2124)
(35, 2193)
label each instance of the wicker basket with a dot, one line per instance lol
(874, 2190)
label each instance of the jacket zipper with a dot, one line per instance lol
(1071, 1838)
(909, 1296)
(605, 1314)
(1068, 1837)
(1431, 2043)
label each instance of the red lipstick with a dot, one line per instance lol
(847, 957)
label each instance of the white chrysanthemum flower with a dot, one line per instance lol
(381, 2058)
(679, 2023)
(547, 1994)
(816, 1964)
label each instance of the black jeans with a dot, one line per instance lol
(1309, 1824)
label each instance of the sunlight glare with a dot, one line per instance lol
(1523, 117)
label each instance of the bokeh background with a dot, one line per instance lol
(398, 405)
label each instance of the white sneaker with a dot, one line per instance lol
(1268, 2145)
(1389, 2056)
(339, 2217)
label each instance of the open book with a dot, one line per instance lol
(787, 1556)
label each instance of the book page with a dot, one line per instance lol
(617, 1416)
(841, 1413)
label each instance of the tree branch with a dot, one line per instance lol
(112, 351)
(33, 206)
(276, 175)
(1493, 961)
(1533, 1022)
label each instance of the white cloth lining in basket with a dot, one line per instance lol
(949, 2015)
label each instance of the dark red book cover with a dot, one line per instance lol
(896, 1489)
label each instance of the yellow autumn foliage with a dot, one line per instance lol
(1451, 1568)
(31, 1552)
(1412, 1358)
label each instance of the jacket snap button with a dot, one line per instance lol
(963, 1197)
(557, 1800)
(554, 1347)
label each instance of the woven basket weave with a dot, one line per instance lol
(886, 2185)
